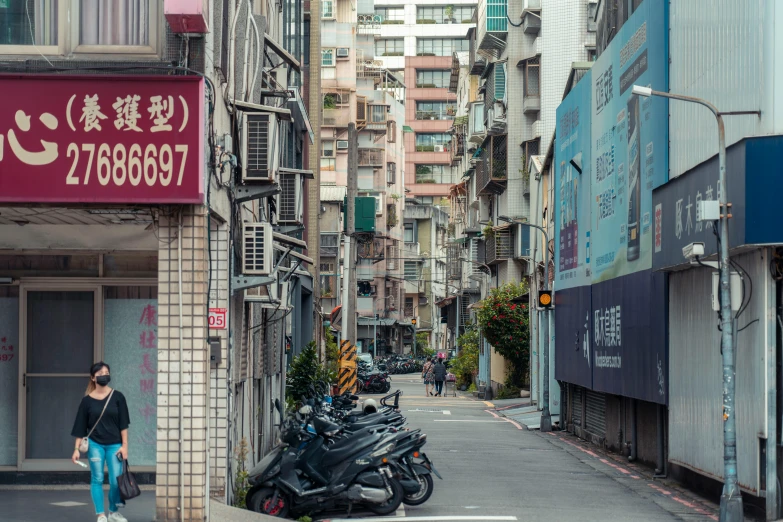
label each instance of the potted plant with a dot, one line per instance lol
(449, 12)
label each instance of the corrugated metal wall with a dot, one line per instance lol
(719, 52)
(695, 372)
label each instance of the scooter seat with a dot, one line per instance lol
(345, 448)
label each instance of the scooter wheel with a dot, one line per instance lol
(261, 502)
(391, 505)
(387, 387)
(424, 493)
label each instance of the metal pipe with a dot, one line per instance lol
(181, 375)
(731, 498)
(634, 433)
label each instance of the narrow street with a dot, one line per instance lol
(494, 469)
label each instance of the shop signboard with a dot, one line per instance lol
(629, 143)
(99, 139)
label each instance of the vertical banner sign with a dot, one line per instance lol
(101, 139)
(629, 144)
(131, 347)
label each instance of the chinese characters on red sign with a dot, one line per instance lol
(101, 139)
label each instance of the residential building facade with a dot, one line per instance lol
(358, 89)
(416, 42)
(163, 234)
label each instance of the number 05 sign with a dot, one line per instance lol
(101, 139)
(217, 318)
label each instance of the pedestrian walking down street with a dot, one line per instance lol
(440, 375)
(101, 428)
(428, 376)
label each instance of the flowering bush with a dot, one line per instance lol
(506, 326)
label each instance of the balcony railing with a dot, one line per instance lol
(499, 246)
(491, 174)
(336, 117)
(370, 157)
(369, 24)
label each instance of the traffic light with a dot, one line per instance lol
(545, 299)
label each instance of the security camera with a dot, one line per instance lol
(693, 250)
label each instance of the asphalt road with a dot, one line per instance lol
(494, 469)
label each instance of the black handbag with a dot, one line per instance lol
(129, 488)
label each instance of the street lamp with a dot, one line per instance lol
(546, 416)
(731, 498)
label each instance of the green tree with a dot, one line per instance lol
(466, 364)
(506, 326)
(332, 351)
(305, 374)
(423, 345)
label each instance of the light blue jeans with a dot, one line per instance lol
(98, 456)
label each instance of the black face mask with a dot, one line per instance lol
(103, 380)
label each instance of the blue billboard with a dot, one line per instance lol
(572, 188)
(629, 143)
(611, 151)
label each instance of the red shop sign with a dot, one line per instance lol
(101, 139)
(217, 318)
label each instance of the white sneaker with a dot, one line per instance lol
(117, 517)
(102, 518)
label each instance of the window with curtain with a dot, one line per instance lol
(28, 22)
(441, 14)
(433, 79)
(115, 22)
(390, 47)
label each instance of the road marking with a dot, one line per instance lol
(69, 503)
(446, 412)
(429, 519)
(466, 420)
(515, 423)
(489, 404)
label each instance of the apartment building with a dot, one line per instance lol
(162, 233)
(357, 88)
(417, 41)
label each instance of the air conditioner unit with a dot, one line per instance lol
(342, 144)
(536, 127)
(342, 52)
(289, 200)
(257, 253)
(259, 148)
(439, 148)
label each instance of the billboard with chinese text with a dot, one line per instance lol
(572, 188)
(101, 139)
(629, 143)
(610, 308)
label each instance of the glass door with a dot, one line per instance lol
(59, 348)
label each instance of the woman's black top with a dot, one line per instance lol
(113, 422)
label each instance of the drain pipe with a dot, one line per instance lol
(632, 456)
(181, 374)
(660, 471)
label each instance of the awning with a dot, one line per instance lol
(445, 302)
(370, 321)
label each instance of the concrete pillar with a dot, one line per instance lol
(194, 371)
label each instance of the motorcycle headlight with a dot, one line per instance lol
(384, 450)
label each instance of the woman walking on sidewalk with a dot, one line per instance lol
(101, 431)
(429, 379)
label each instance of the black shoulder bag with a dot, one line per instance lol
(129, 488)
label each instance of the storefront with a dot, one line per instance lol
(101, 189)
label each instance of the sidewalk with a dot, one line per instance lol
(669, 493)
(73, 504)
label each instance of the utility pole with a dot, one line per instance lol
(347, 373)
(414, 336)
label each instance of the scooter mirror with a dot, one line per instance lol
(306, 409)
